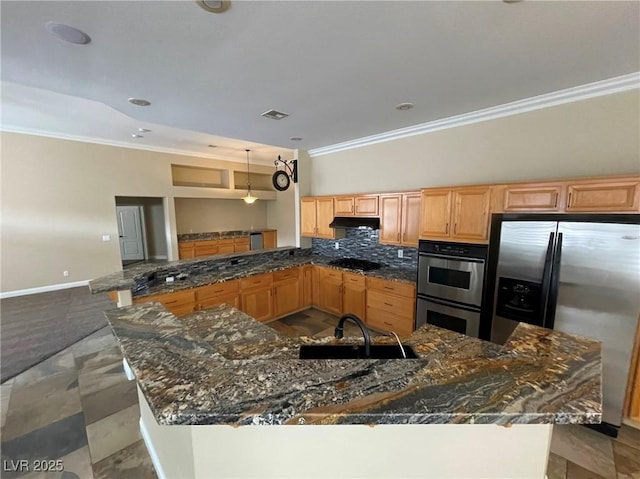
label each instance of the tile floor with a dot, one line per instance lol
(78, 407)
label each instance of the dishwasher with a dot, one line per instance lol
(256, 241)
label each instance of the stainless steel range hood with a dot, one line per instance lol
(347, 222)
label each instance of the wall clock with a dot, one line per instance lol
(281, 179)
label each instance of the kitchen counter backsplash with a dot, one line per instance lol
(363, 243)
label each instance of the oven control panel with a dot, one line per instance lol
(461, 250)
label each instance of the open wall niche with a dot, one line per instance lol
(259, 181)
(186, 175)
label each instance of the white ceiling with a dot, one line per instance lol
(338, 68)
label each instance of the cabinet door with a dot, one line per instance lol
(330, 290)
(324, 216)
(241, 245)
(435, 213)
(617, 196)
(186, 250)
(270, 239)
(206, 248)
(366, 205)
(225, 246)
(257, 303)
(308, 216)
(390, 219)
(307, 287)
(532, 197)
(286, 297)
(410, 219)
(471, 213)
(343, 205)
(353, 295)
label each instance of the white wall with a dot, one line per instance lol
(202, 215)
(58, 199)
(595, 137)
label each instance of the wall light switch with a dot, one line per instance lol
(400, 253)
(106, 237)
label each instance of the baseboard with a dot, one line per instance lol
(159, 257)
(155, 460)
(43, 289)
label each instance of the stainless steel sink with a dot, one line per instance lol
(353, 351)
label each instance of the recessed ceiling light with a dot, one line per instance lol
(212, 146)
(135, 135)
(139, 101)
(67, 33)
(511, 1)
(214, 6)
(144, 130)
(296, 138)
(404, 106)
(275, 114)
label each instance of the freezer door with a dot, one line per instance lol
(598, 296)
(524, 247)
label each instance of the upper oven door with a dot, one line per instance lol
(451, 278)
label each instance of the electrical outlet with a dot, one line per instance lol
(106, 237)
(336, 245)
(400, 253)
(65, 274)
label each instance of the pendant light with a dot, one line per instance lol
(249, 198)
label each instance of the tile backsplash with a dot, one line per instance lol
(363, 244)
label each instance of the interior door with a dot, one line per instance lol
(130, 232)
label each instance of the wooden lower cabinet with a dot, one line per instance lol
(286, 297)
(240, 245)
(257, 303)
(270, 239)
(354, 295)
(186, 249)
(391, 306)
(306, 291)
(227, 292)
(330, 290)
(179, 303)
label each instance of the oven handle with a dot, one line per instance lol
(442, 302)
(454, 258)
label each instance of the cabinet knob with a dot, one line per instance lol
(446, 229)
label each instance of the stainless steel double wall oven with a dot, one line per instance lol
(450, 285)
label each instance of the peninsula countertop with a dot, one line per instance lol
(147, 279)
(220, 366)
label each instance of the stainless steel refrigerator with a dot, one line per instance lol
(574, 273)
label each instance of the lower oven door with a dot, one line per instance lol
(449, 316)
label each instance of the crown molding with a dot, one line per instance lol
(582, 92)
(122, 144)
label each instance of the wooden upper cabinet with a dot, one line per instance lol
(363, 205)
(400, 219)
(533, 197)
(390, 219)
(410, 219)
(308, 216)
(270, 239)
(324, 217)
(604, 196)
(435, 213)
(470, 216)
(316, 213)
(366, 205)
(455, 213)
(344, 205)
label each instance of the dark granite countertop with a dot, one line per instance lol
(221, 366)
(213, 235)
(197, 272)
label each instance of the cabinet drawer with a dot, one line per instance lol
(241, 240)
(379, 319)
(258, 281)
(330, 274)
(285, 274)
(353, 279)
(230, 299)
(393, 287)
(170, 299)
(219, 289)
(181, 310)
(186, 244)
(391, 303)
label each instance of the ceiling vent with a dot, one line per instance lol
(275, 114)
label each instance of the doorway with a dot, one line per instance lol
(141, 229)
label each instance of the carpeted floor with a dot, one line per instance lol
(37, 326)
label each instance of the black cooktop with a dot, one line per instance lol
(357, 264)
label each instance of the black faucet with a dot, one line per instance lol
(339, 332)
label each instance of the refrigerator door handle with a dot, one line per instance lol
(553, 287)
(546, 279)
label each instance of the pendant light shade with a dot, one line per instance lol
(249, 198)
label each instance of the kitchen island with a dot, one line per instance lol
(465, 408)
